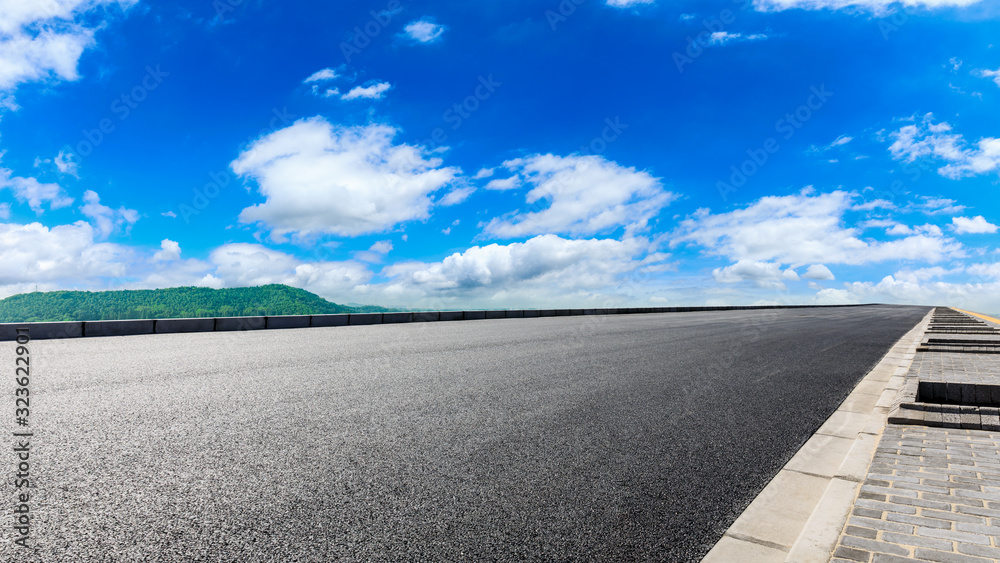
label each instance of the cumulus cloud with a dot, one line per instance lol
(44, 40)
(321, 178)
(373, 92)
(803, 229)
(973, 225)
(34, 193)
(877, 6)
(64, 255)
(65, 164)
(768, 275)
(241, 264)
(424, 30)
(818, 272)
(993, 74)
(585, 195)
(169, 250)
(540, 271)
(381, 247)
(927, 139)
(105, 218)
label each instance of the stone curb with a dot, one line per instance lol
(799, 515)
(79, 329)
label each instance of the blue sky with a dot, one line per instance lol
(505, 154)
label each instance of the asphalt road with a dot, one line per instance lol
(632, 437)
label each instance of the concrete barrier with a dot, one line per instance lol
(43, 331)
(397, 318)
(329, 320)
(288, 321)
(76, 329)
(163, 326)
(365, 319)
(118, 328)
(228, 324)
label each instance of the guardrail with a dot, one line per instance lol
(81, 329)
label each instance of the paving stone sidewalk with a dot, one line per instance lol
(931, 494)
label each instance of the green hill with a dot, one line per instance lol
(175, 302)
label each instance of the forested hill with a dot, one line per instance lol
(176, 302)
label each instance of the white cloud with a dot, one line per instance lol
(818, 272)
(585, 195)
(321, 178)
(105, 218)
(938, 206)
(483, 173)
(973, 225)
(373, 92)
(240, 265)
(33, 192)
(546, 270)
(456, 196)
(321, 76)
(169, 250)
(877, 6)
(874, 204)
(504, 183)
(424, 30)
(64, 162)
(994, 74)
(768, 275)
(628, 3)
(4, 210)
(901, 229)
(43, 40)
(935, 140)
(66, 255)
(841, 140)
(170, 214)
(909, 289)
(724, 37)
(803, 229)
(381, 247)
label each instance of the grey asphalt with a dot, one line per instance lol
(630, 437)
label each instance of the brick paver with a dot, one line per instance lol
(933, 493)
(932, 490)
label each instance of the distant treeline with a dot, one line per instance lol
(176, 302)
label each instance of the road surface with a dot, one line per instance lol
(627, 437)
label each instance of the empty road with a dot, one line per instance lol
(630, 437)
